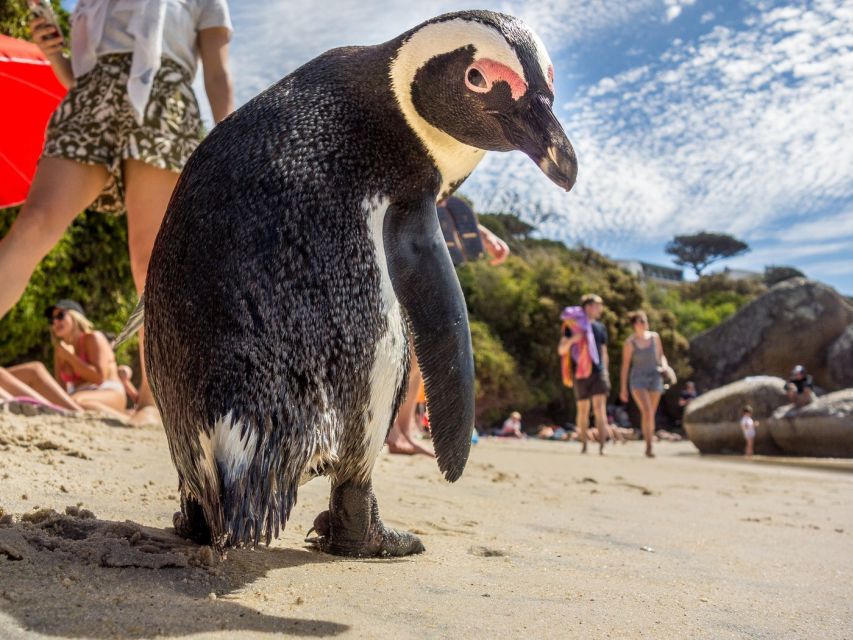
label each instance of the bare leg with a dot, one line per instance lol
(400, 437)
(599, 407)
(654, 401)
(641, 397)
(583, 422)
(11, 387)
(60, 190)
(36, 376)
(101, 399)
(148, 190)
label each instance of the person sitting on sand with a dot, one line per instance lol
(512, 427)
(86, 374)
(552, 432)
(747, 425)
(800, 388)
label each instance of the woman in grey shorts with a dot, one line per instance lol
(122, 134)
(643, 356)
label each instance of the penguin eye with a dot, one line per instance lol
(476, 81)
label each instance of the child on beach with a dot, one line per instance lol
(512, 427)
(747, 425)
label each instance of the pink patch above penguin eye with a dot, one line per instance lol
(481, 76)
(551, 77)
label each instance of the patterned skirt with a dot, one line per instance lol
(95, 124)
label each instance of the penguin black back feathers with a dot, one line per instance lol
(301, 253)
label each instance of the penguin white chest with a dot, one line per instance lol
(387, 370)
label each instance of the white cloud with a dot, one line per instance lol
(675, 7)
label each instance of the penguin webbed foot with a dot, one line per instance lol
(190, 523)
(352, 527)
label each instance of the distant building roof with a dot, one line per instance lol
(649, 271)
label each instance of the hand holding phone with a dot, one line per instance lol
(45, 27)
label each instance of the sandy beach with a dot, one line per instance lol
(535, 541)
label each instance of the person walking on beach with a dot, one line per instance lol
(583, 348)
(643, 357)
(122, 134)
(747, 425)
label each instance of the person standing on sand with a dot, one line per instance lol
(590, 374)
(122, 134)
(643, 356)
(747, 425)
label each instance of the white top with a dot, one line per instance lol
(747, 423)
(148, 29)
(182, 22)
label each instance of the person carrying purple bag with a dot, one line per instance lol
(583, 349)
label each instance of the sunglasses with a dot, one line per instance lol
(59, 315)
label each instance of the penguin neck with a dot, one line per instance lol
(454, 160)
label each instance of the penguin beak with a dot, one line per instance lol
(535, 130)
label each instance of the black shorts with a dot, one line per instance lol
(595, 385)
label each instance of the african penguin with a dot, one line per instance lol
(300, 250)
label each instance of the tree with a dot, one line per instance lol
(702, 249)
(774, 274)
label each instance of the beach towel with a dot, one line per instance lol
(582, 354)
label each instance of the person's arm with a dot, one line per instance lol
(567, 341)
(605, 356)
(57, 366)
(494, 246)
(213, 48)
(46, 38)
(627, 352)
(100, 354)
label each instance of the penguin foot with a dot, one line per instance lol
(189, 522)
(352, 527)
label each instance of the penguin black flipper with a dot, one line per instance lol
(425, 283)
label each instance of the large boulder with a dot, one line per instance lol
(795, 322)
(712, 421)
(823, 428)
(841, 359)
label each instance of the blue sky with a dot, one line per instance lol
(686, 115)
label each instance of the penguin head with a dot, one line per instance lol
(478, 81)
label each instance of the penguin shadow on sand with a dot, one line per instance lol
(73, 575)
